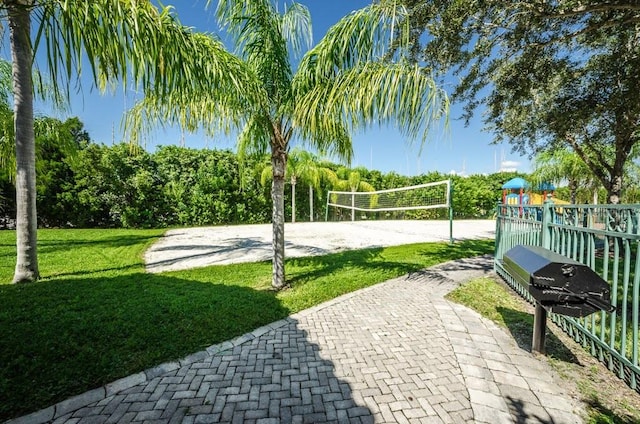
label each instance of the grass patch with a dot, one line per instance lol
(77, 253)
(608, 399)
(97, 316)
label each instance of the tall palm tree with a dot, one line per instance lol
(26, 218)
(304, 167)
(129, 40)
(342, 83)
(353, 183)
(308, 168)
(562, 164)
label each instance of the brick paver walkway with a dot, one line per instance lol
(397, 352)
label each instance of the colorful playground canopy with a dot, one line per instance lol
(515, 183)
(520, 183)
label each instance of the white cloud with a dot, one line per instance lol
(509, 165)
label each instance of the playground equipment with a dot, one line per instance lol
(517, 191)
(513, 192)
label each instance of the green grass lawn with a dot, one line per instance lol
(97, 316)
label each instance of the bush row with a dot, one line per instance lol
(117, 186)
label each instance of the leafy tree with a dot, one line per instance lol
(7, 199)
(115, 186)
(631, 192)
(341, 84)
(394, 180)
(134, 42)
(474, 197)
(319, 174)
(303, 166)
(178, 168)
(552, 74)
(352, 180)
(57, 144)
(54, 141)
(215, 197)
(7, 163)
(105, 186)
(88, 200)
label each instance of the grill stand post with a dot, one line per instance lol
(539, 329)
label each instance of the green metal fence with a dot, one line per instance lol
(607, 239)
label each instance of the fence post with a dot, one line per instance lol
(497, 252)
(547, 217)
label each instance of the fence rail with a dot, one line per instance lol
(607, 239)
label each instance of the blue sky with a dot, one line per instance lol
(460, 149)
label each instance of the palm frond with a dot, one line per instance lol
(254, 138)
(220, 103)
(189, 113)
(131, 41)
(258, 32)
(7, 141)
(375, 93)
(329, 136)
(6, 79)
(297, 30)
(266, 175)
(365, 35)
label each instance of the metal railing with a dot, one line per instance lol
(607, 239)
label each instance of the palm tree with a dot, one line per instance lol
(353, 183)
(26, 218)
(302, 166)
(311, 171)
(343, 83)
(562, 164)
(129, 40)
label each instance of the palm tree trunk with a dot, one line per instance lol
(279, 166)
(311, 202)
(293, 199)
(26, 216)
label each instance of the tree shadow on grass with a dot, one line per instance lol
(604, 415)
(445, 252)
(366, 260)
(67, 253)
(75, 241)
(373, 260)
(55, 245)
(62, 337)
(520, 324)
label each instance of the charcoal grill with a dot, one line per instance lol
(558, 284)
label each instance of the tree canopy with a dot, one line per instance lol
(550, 74)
